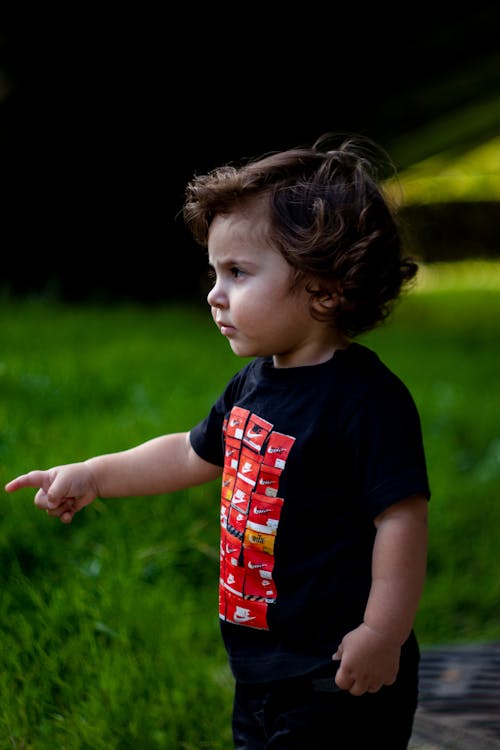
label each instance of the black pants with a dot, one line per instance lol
(309, 713)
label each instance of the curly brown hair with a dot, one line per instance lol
(329, 219)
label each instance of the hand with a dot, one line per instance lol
(368, 661)
(63, 490)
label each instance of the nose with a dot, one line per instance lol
(217, 296)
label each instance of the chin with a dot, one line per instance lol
(242, 351)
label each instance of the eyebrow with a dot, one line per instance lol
(233, 261)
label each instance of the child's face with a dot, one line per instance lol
(252, 301)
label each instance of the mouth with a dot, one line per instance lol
(225, 329)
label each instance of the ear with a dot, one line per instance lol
(323, 301)
(326, 300)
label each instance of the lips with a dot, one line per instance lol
(225, 328)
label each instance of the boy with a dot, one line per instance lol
(324, 485)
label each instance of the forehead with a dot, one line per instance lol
(245, 227)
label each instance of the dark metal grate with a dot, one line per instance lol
(460, 696)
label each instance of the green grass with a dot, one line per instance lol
(109, 629)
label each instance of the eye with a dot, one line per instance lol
(236, 272)
(211, 276)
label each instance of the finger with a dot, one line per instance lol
(32, 479)
(343, 679)
(64, 511)
(63, 488)
(56, 491)
(65, 516)
(46, 502)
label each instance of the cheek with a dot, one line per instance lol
(283, 315)
(264, 304)
(249, 312)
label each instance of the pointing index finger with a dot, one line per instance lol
(32, 479)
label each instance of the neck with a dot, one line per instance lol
(314, 354)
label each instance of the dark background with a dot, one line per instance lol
(106, 114)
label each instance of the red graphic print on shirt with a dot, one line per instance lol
(255, 457)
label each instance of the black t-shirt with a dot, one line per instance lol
(311, 456)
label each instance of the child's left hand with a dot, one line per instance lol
(368, 661)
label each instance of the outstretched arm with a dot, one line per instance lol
(370, 654)
(164, 464)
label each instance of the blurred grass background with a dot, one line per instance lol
(109, 627)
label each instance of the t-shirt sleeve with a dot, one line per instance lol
(387, 449)
(206, 437)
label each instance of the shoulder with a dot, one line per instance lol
(364, 369)
(370, 384)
